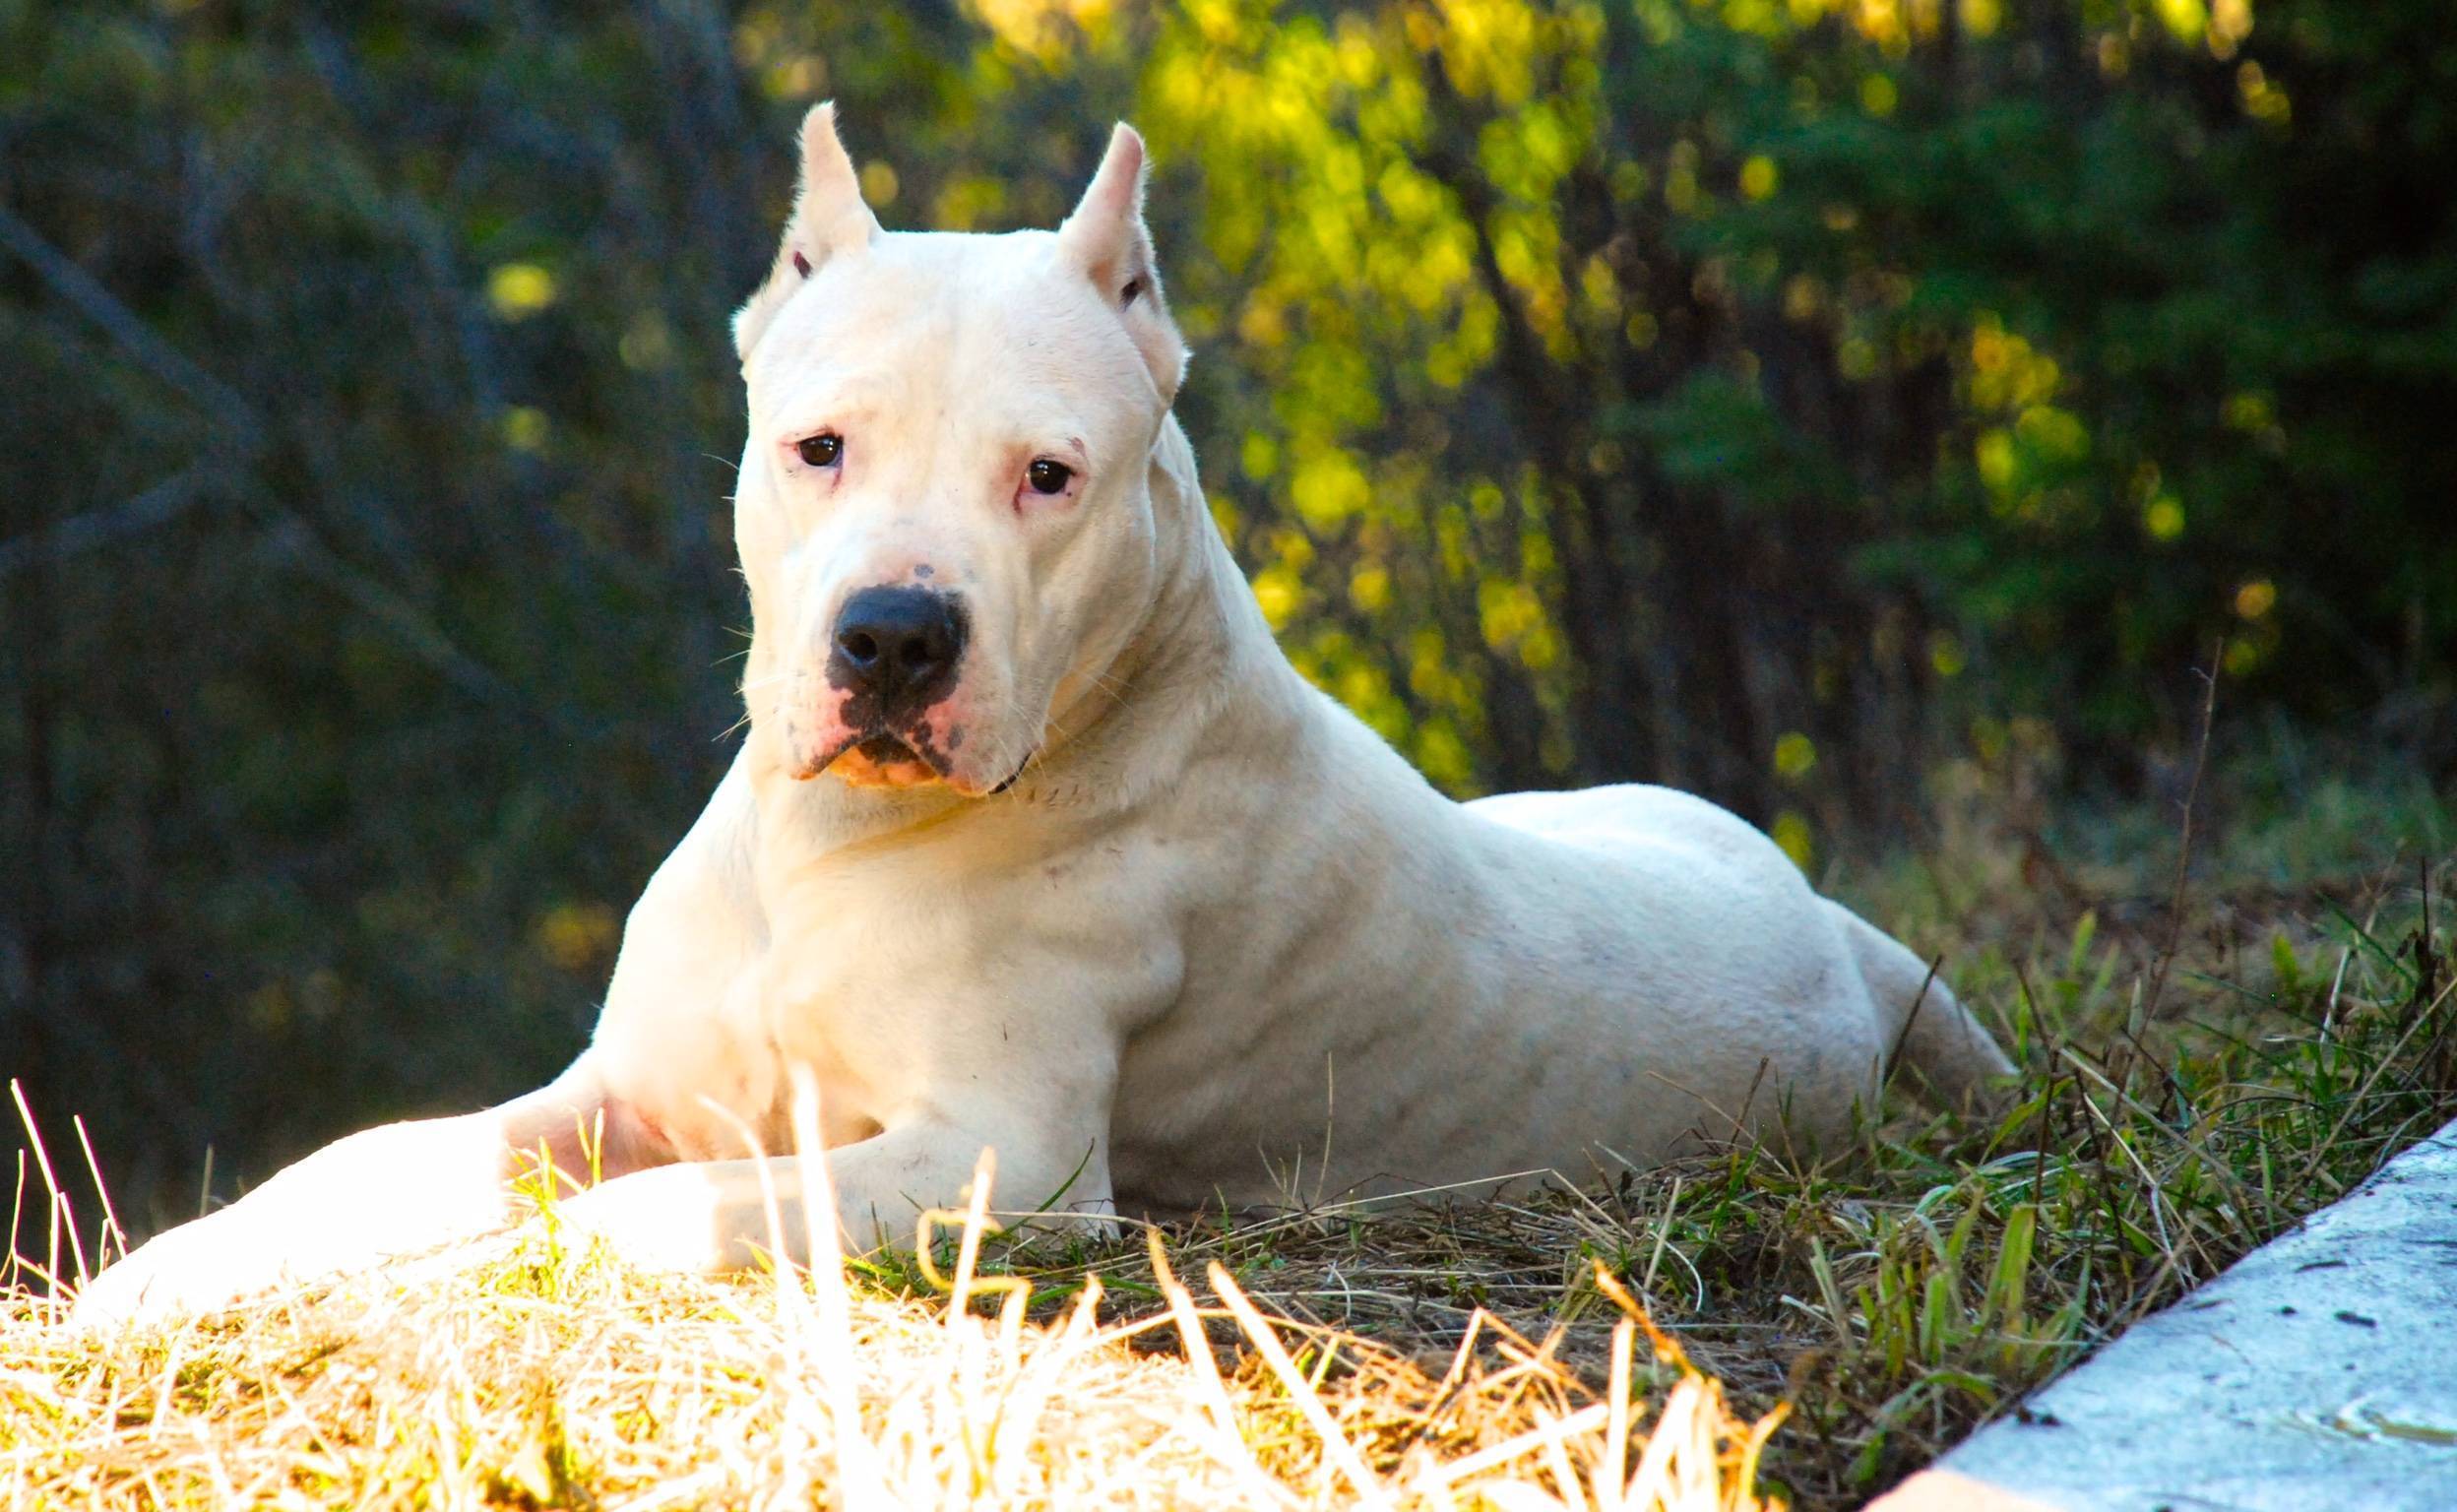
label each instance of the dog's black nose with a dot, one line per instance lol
(895, 649)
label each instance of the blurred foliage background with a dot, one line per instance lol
(1815, 402)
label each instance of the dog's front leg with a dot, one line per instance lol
(714, 1216)
(405, 1188)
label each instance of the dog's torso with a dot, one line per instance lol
(1284, 968)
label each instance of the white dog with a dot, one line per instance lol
(1037, 843)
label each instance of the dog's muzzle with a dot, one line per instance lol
(895, 652)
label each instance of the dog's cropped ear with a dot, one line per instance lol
(1107, 239)
(829, 219)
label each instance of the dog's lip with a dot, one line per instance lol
(1017, 775)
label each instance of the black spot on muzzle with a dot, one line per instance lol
(894, 653)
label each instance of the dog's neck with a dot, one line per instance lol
(1199, 658)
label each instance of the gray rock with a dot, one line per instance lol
(2320, 1372)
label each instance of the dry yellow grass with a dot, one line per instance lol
(523, 1374)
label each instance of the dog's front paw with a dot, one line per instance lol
(700, 1218)
(197, 1267)
(669, 1219)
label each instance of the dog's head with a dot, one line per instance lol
(945, 509)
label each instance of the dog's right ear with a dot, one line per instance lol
(829, 219)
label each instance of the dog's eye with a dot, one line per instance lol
(823, 450)
(1046, 476)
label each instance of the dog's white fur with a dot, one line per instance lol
(1216, 943)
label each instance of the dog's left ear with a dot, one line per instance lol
(1107, 239)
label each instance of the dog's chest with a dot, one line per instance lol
(839, 990)
(881, 976)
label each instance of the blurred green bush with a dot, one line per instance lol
(1772, 396)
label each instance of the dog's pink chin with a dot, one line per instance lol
(859, 771)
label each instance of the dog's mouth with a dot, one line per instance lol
(881, 749)
(884, 759)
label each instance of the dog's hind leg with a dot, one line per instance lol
(1931, 1031)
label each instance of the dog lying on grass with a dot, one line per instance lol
(1038, 843)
